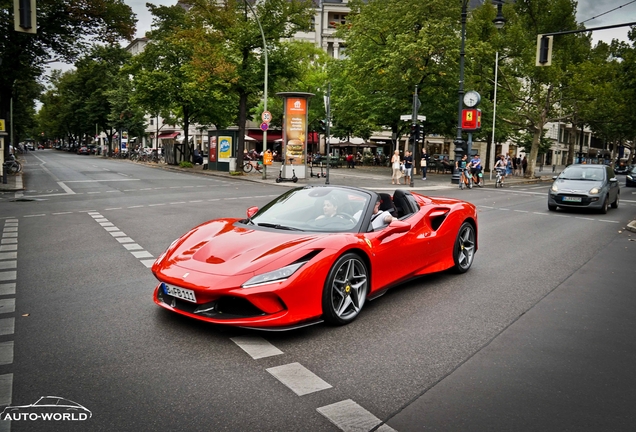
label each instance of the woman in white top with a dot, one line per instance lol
(395, 165)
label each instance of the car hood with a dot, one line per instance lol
(577, 186)
(223, 247)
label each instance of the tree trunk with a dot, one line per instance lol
(188, 155)
(534, 151)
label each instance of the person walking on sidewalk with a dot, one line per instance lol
(408, 167)
(395, 166)
(424, 163)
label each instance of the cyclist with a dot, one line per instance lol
(500, 166)
(475, 169)
(461, 166)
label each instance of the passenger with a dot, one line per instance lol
(329, 209)
(380, 218)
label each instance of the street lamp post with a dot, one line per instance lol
(459, 141)
(499, 22)
(260, 27)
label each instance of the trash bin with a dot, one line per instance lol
(232, 164)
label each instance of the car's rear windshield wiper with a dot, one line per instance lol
(277, 226)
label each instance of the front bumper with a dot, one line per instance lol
(569, 200)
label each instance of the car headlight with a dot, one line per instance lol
(554, 188)
(594, 191)
(630, 177)
(274, 276)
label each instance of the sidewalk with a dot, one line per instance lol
(14, 183)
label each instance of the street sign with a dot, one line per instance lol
(264, 126)
(266, 117)
(408, 117)
(471, 119)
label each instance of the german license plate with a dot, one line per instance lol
(182, 293)
(572, 199)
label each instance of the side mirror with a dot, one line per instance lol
(554, 177)
(251, 212)
(613, 180)
(395, 227)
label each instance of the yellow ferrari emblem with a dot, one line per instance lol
(368, 241)
(347, 288)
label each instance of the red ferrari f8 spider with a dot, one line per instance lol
(315, 253)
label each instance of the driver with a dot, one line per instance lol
(329, 209)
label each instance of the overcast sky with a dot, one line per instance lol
(587, 9)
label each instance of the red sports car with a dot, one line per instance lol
(315, 253)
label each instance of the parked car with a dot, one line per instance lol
(30, 146)
(630, 178)
(83, 150)
(40, 147)
(585, 186)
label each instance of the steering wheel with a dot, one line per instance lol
(347, 217)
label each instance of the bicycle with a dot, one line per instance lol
(12, 166)
(499, 182)
(249, 165)
(465, 180)
(477, 179)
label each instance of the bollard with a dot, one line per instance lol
(553, 168)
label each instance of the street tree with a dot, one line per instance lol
(234, 22)
(390, 48)
(63, 31)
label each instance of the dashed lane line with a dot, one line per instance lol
(137, 251)
(351, 417)
(256, 347)
(298, 378)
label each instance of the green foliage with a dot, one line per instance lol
(185, 164)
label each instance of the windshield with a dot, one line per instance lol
(320, 209)
(582, 173)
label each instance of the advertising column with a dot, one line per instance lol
(294, 151)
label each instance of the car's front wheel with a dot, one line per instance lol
(345, 290)
(605, 204)
(465, 246)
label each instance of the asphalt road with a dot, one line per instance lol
(538, 335)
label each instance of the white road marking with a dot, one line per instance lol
(7, 288)
(6, 353)
(6, 389)
(7, 326)
(125, 240)
(348, 416)
(109, 228)
(10, 247)
(118, 234)
(8, 255)
(148, 263)
(8, 275)
(6, 265)
(101, 219)
(10, 234)
(67, 189)
(34, 215)
(99, 181)
(113, 208)
(256, 347)
(135, 206)
(62, 213)
(154, 205)
(142, 254)
(299, 379)
(8, 240)
(7, 305)
(107, 224)
(10, 228)
(132, 246)
(605, 220)
(584, 218)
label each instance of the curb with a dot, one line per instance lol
(631, 226)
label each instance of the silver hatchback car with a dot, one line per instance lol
(585, 186)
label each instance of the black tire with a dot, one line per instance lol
(615, 203)
(247, 167)
(277, 179)
(605, 207)
(345, 290)
(294, 179)
(464, 249)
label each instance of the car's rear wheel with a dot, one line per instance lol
(615, 203)
(464, 250)
(345, 290)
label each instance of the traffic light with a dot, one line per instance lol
(544, 50)
(322, 126)
(415, 132)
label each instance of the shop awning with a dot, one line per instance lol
(167, 135)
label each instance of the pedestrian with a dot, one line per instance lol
(395, 166)
(408, 167)
(509, 165)
(424, 162)
(524, 166)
